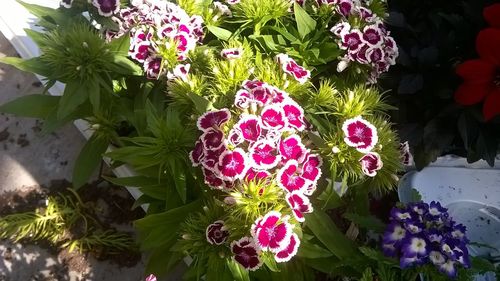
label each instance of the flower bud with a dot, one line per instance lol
(335, 149)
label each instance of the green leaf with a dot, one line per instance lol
(238, 272)
(221, 33)
(305, 24)
(482, 265)
(37, 37)
(328, 233)
(270, 262)
(52, 123)
(217, 270)
(123, 65)
(94, 90)
(33, 65)
(34, 106)
(201, 104)
(74, 95)
(179, 177)
(158, 229)
(415, 195)
(378, 256)
(367, 275)
(312, 251)
(162, 261)
(43, 12)
(89, 159)
(367, 222)
(120, 45)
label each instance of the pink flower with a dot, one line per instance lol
(311, 168)
(341, 29)
(230, 54)
(250, 127)
(289, 178)
(273, 232)
(152, 67)
(213, 119)
(235, 137)
(212, 139)
(352, 40)
(345, 7)
(223, 9)
(211, 157)
(292, 148)
(197, 154)
(294, 115)
(360, 134)
(150, 277)
(290, 251)
(371, 163)
(261, 94)
(299, 203)
(251, 84)
(253, 174)
(291, 67)
(243, 99)
(211, 179)
(246, 253)
(233, 164)
(216, 233)
(273, 117)
(264, 155)
(371, 35)
(181, 71)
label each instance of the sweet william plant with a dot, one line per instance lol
(247, 123)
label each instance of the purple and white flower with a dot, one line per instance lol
(216, 233)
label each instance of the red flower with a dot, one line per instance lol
(482, 76)
(492, 15)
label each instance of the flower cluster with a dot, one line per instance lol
(482, 76)
(425, 233)
(362, 135)
(367, 43)
(161, 36)
(263, 145)
(105, 8)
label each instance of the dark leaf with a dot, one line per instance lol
(89, 159)
(410, 84)
(34, 106)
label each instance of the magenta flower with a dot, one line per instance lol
(300, 204)
(250, 127)
(264, 155)
(294, 115)
(107, 8)
(406, 156)
(150, 277)
(311, 168)
(273, 117)
(212, 139)
(211, 179)
(251, 84)
(230, 54)
(180, 71)
(211, 158)
(152, 67)
(290, 251)
(371, 163)
(261, 94)
(243, 99)
(289, 178)
(213, 119)
(141, 51)
(371, 35)
(291, 67)
(216, 233)
(235, 137)
(360, 134)
(292, 148)
(352, 40)
(233, 164)
(341, 29)
(197, 154)
(257, 175)
(246, 253)
(273, 232)
(345, 7)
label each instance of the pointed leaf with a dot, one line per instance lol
(33, 65)
(89, 159)
(35, 106)
(221, 33)
(305, 24)
(238, 272)
(74, 95)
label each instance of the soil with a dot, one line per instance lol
(111, 205)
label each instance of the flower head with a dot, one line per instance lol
(371, 163)
(246, 253)
(272, 232)
(360, 134)
(482, 76)
(216, 234)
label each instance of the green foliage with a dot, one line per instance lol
(89, 159)
(57, 222)
(34, 106)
